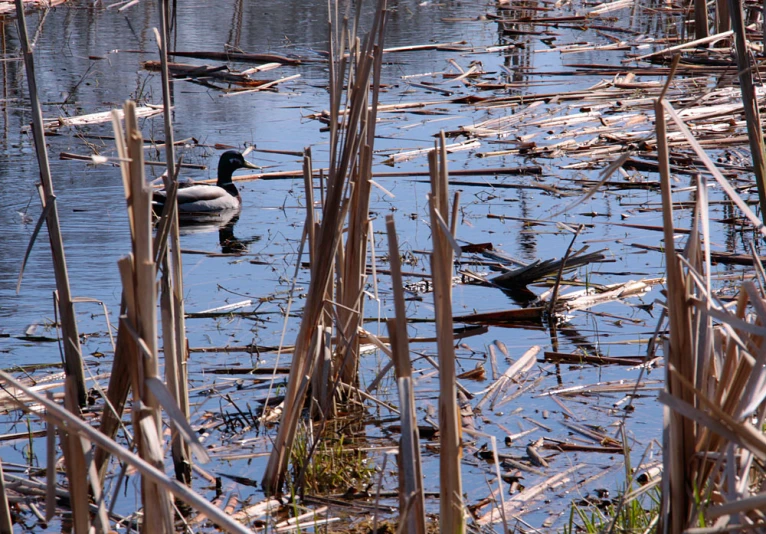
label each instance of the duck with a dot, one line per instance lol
(202, 198)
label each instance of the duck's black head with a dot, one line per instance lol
(231, 161)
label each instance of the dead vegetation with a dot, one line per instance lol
(329, 428)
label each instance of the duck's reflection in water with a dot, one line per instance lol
(224, 222)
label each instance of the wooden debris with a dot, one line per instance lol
(242, 57)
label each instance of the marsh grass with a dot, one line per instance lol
(335, 465)
(639, 514)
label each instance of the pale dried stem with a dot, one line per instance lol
(451, 511)
(72, 354)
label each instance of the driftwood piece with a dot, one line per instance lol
(541, 269)
(219, 72)
(242, 57)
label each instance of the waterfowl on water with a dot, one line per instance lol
(198, 198)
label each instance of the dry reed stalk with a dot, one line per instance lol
(6, 525)
(116, 395)
(678, 436)
(353, 267)
(71, 341)
(722, 17)
(411, 496)
(50, 460)
(56, 415)
(139, 273)
(308, 186)
(451, 512)
(700, 19)
(173, 318)
(682, 46)
(749, 99)
(715, 375)
(344, 162)
(74, 449)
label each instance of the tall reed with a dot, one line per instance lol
(451, 512)
(411, 496)
(172, 305)
(71, 340)
(353, 65)
(139, 273)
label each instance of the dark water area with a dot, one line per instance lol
(88, 59)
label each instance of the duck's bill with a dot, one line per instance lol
(249, 165)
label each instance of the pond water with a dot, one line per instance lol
(88, 59)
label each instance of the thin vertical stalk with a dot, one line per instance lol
(700, 19)
(678, 447)
(749, 101)
(6, 526)
(451, 513)
(120, 377)
(722, 17)
(411, 496)
(174, 337)
(146, 411)
(72, 354)
(74, 456)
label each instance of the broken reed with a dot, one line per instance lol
(23, 396)
(139, 274)
(451, 513)
(168, 249)
(353, 65)
(411, 496)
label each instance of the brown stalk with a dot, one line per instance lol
(72, 355)
(117, 395)
(55, 414)
(749, 99)
(328, 238)
(141, 301)
(308, 185)
(679, 439)
(5, 512)
(76, 470)
(559, 275)
(700, 19)
(50, 457)
(410, 470)
(173, 319)
(451, 511)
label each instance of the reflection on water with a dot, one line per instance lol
(223, 222)
(231, 244)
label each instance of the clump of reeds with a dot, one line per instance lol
(716, 379)
(356, 66)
